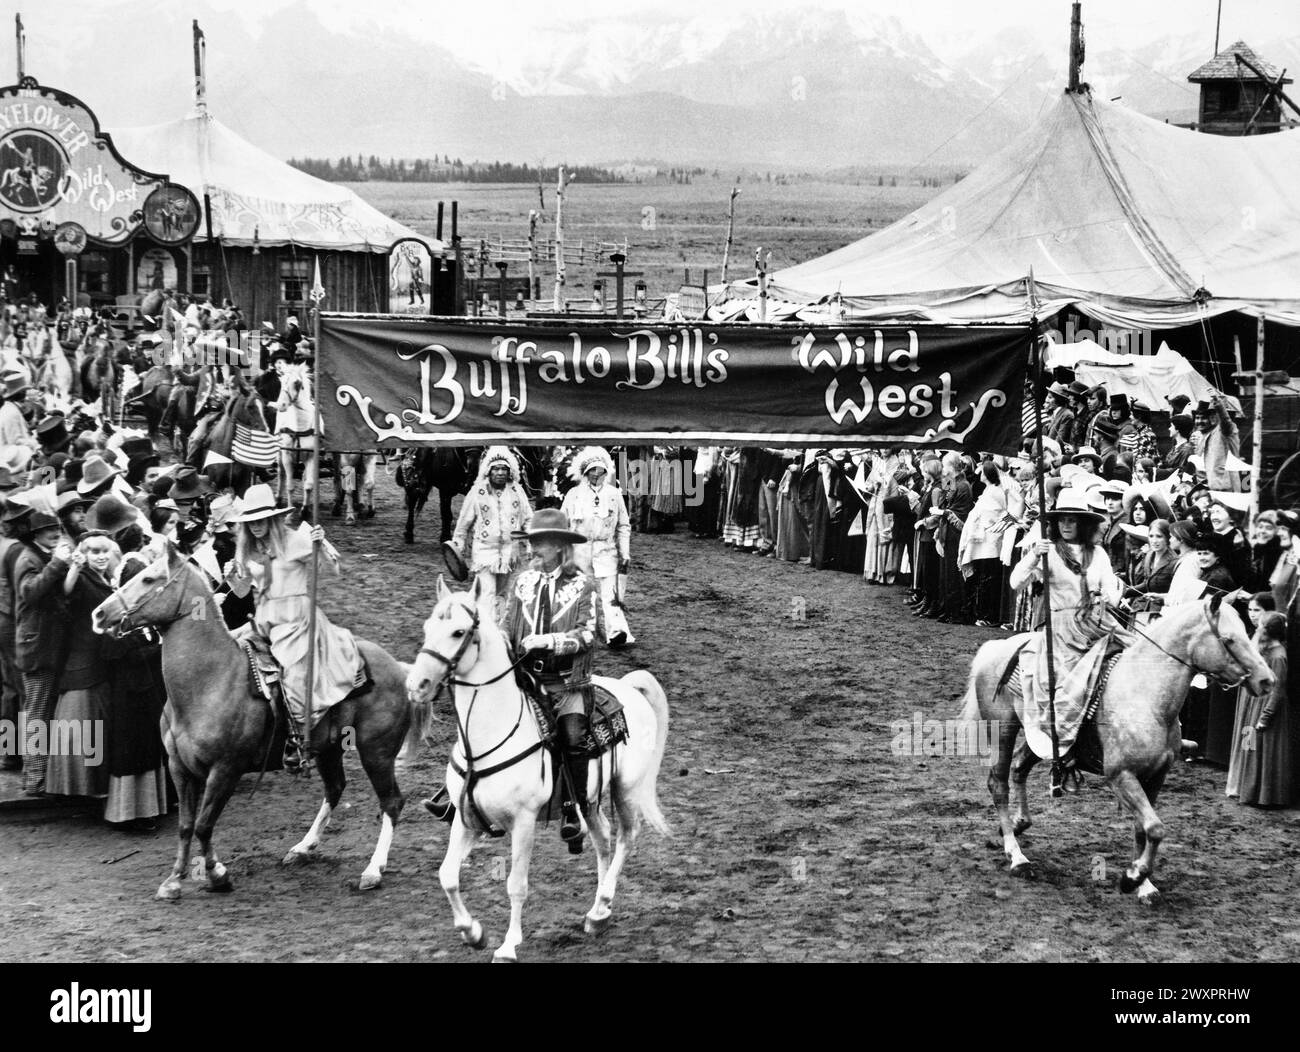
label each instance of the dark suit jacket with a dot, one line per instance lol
(39, 610)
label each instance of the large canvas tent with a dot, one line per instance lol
(251, 191)
(1134, 222)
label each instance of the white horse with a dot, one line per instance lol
(511, 775)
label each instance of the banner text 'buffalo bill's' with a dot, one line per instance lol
(399, 381)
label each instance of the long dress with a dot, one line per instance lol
(878, 562)
(1079, 593)
(1262, 769)
(80, 712)
(282, 616)
(792, 528)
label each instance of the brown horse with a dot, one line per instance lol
(216, 728)
(1136, 719)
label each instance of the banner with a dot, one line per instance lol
(392, 381)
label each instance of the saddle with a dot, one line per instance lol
(606, 723)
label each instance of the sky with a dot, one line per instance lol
(504, 25)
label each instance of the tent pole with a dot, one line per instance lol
(1257, 429)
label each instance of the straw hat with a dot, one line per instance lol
(258, 503)
(547, 523)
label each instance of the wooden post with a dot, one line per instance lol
(557, 302)
(1257, 431)
(315, 547)
(731, 225)
(532, 248)
(22, 65)
(1036, 352)
(1076, 44)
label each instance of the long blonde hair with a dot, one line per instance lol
(250, 549)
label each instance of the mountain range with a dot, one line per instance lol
(799, 89)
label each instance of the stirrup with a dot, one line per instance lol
(297, 758)
(439, 805)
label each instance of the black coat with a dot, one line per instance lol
(40, 610)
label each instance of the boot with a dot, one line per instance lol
(439, 805)
(571, 826)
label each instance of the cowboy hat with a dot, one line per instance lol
(1060, 391)
(549, 523)
(188, 484)
(15, 509)
(95, 474)
(15, 383)
(1237, 503)
(1087, 451)
(258, 503)
(40, 520)
(72, 499)
(111, 514)
(1071, 501)
(1079, 389)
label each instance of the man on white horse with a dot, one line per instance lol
(552, 621)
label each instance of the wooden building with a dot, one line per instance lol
(1240, 94)
(102, 219)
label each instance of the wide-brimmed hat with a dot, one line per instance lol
(39, 520)
(258, 503)
(15, 509)
(72, 499)
(1079, 389)
(1140, 406)
(1060, 390)
(1071, 501)
(1112, 490)
(95, 473)
(1287, 519)
(111, 514)
(1236, 503)
(188, 484)
(1142, 532)
(549, 523)
(1087, 451)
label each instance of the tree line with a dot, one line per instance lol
(360, 169)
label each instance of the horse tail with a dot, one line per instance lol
(648, 801)
(421, 713)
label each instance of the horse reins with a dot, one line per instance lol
(124, 623)
(1212, 620)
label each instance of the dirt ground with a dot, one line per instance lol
(799, 835)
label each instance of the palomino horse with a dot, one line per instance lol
(1137, 719)
(216, 728)
(512, 775)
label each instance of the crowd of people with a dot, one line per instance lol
(86, 504)
(1163, 517)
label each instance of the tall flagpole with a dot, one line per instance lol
(317, 294)
(1036, 360)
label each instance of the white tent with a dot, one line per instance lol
(1150, 378)
(253, 192)
(1135, 222)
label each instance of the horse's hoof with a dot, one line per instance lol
(1023, 870)
(221, 886)
(294, 857)
(369, 881)
(504, 957)
(594, 926)
(408, 538)
(475, 942)
(369, 513)
(169, 890)
(1151, 898)
(1022, 824)
(1127, 884)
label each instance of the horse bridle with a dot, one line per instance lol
(1213, 621)
(124, 623)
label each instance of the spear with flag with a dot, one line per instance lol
(317, 294)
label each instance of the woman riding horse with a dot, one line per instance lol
(277, 561)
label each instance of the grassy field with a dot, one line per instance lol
(668, 227)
